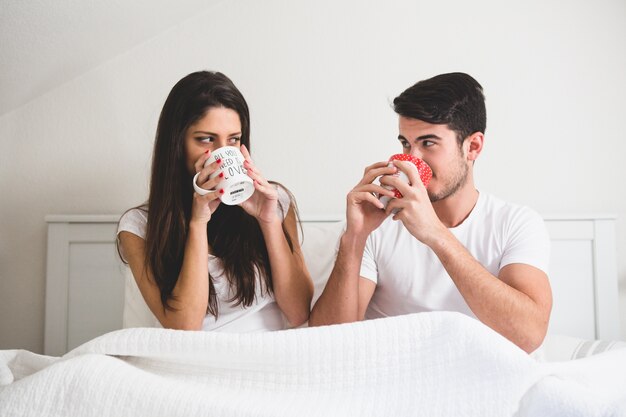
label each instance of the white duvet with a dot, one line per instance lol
(430, 364)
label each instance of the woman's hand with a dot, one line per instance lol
(264, 202)
(204, 206)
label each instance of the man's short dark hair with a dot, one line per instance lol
(455, 99)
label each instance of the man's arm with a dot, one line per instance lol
(516, 304)
(346, 295)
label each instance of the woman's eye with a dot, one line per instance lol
(205, 139)
(235, 139)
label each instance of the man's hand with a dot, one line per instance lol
(414, 209)
(364, 211)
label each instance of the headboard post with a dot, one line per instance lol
(606, 286)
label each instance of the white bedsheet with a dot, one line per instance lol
(430, 364)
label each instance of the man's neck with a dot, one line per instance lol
(453, 210)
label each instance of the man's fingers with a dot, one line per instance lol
(360, 197)
(373, 188)
(410, 170)
(376, 170)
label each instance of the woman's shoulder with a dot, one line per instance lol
(134, 221)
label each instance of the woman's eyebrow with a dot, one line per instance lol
(203, 132)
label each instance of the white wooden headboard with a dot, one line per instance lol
(85, 281)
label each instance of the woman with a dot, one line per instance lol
(204, 265)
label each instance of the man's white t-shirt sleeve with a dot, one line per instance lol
(528, 241)
(368, 263)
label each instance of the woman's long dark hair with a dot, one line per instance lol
(234, 236)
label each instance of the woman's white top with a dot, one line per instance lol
(262, 315)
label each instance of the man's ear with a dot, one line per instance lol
(474, 143)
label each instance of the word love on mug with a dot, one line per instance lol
(231, 165)
(236, 183)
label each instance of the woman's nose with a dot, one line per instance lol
(219, 143)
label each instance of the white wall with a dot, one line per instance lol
(319, 77)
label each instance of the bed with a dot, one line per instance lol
(430, 364)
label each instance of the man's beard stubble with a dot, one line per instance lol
(457, 181)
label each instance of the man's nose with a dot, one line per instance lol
(415, 152)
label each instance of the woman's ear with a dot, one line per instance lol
(475, 145)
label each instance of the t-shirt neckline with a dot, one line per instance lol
(475, 212)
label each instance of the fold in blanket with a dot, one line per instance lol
(429, 364)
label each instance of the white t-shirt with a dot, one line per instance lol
(262, 315)
(410, 278)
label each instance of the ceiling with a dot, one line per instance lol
(46, 43)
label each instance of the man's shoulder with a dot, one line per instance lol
(509, 216)
(496, 207)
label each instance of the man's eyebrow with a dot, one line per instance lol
(423, 137)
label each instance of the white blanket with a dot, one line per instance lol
(430, 364)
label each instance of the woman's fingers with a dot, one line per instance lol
(264, 187)
(260, 183)
(254, 173)
(209, 197)
(206, 172)
(248, 163)
(199, 164)
(245, 153)
(205, 205)
(211, 183)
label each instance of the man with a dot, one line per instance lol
(448, 247)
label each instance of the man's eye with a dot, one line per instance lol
(405, 144)
(428, 143)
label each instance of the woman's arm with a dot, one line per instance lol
(293, 287)
(191, 293)
(190, 296)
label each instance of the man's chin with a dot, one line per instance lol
(434, 197)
